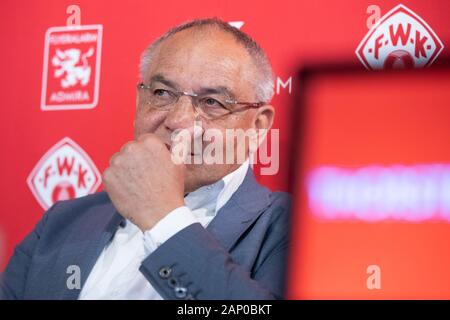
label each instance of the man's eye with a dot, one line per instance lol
(210, 102)
(160, 93)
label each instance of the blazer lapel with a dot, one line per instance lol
(243, 208)
(83, 247)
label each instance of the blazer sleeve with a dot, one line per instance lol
(192, 264)
(13, 279)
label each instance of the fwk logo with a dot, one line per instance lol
(64, 172)
(400, 39)
(71, 75)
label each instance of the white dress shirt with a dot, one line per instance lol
(116, 273)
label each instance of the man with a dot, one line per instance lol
(168, 229)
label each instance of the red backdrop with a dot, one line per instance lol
(293, 33)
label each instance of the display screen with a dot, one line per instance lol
(371, 216)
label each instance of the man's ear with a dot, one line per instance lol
(263, 118)
(262, 122)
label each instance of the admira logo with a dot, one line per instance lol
(400, 39)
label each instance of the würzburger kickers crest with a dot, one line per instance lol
(64, 172)
(400, 39)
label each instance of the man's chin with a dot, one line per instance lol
(198, 175)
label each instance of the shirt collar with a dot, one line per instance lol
(214, 196)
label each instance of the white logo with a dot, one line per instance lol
(71, 75)
(400, 39)
(66, 66)
(64, 172)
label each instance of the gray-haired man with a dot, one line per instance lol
(165, 229)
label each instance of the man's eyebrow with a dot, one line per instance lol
(163, 80)
(217, 90)
(204, 90)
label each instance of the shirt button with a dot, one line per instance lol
(165, 272)
(180, 292)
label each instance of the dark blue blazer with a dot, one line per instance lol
(240, 255)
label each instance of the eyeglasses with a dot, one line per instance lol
(210, 106)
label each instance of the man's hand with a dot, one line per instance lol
(143, 182)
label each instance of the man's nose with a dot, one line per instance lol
(181, 115)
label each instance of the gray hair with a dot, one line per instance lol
(264, 86)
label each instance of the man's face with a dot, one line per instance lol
(196, 60)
